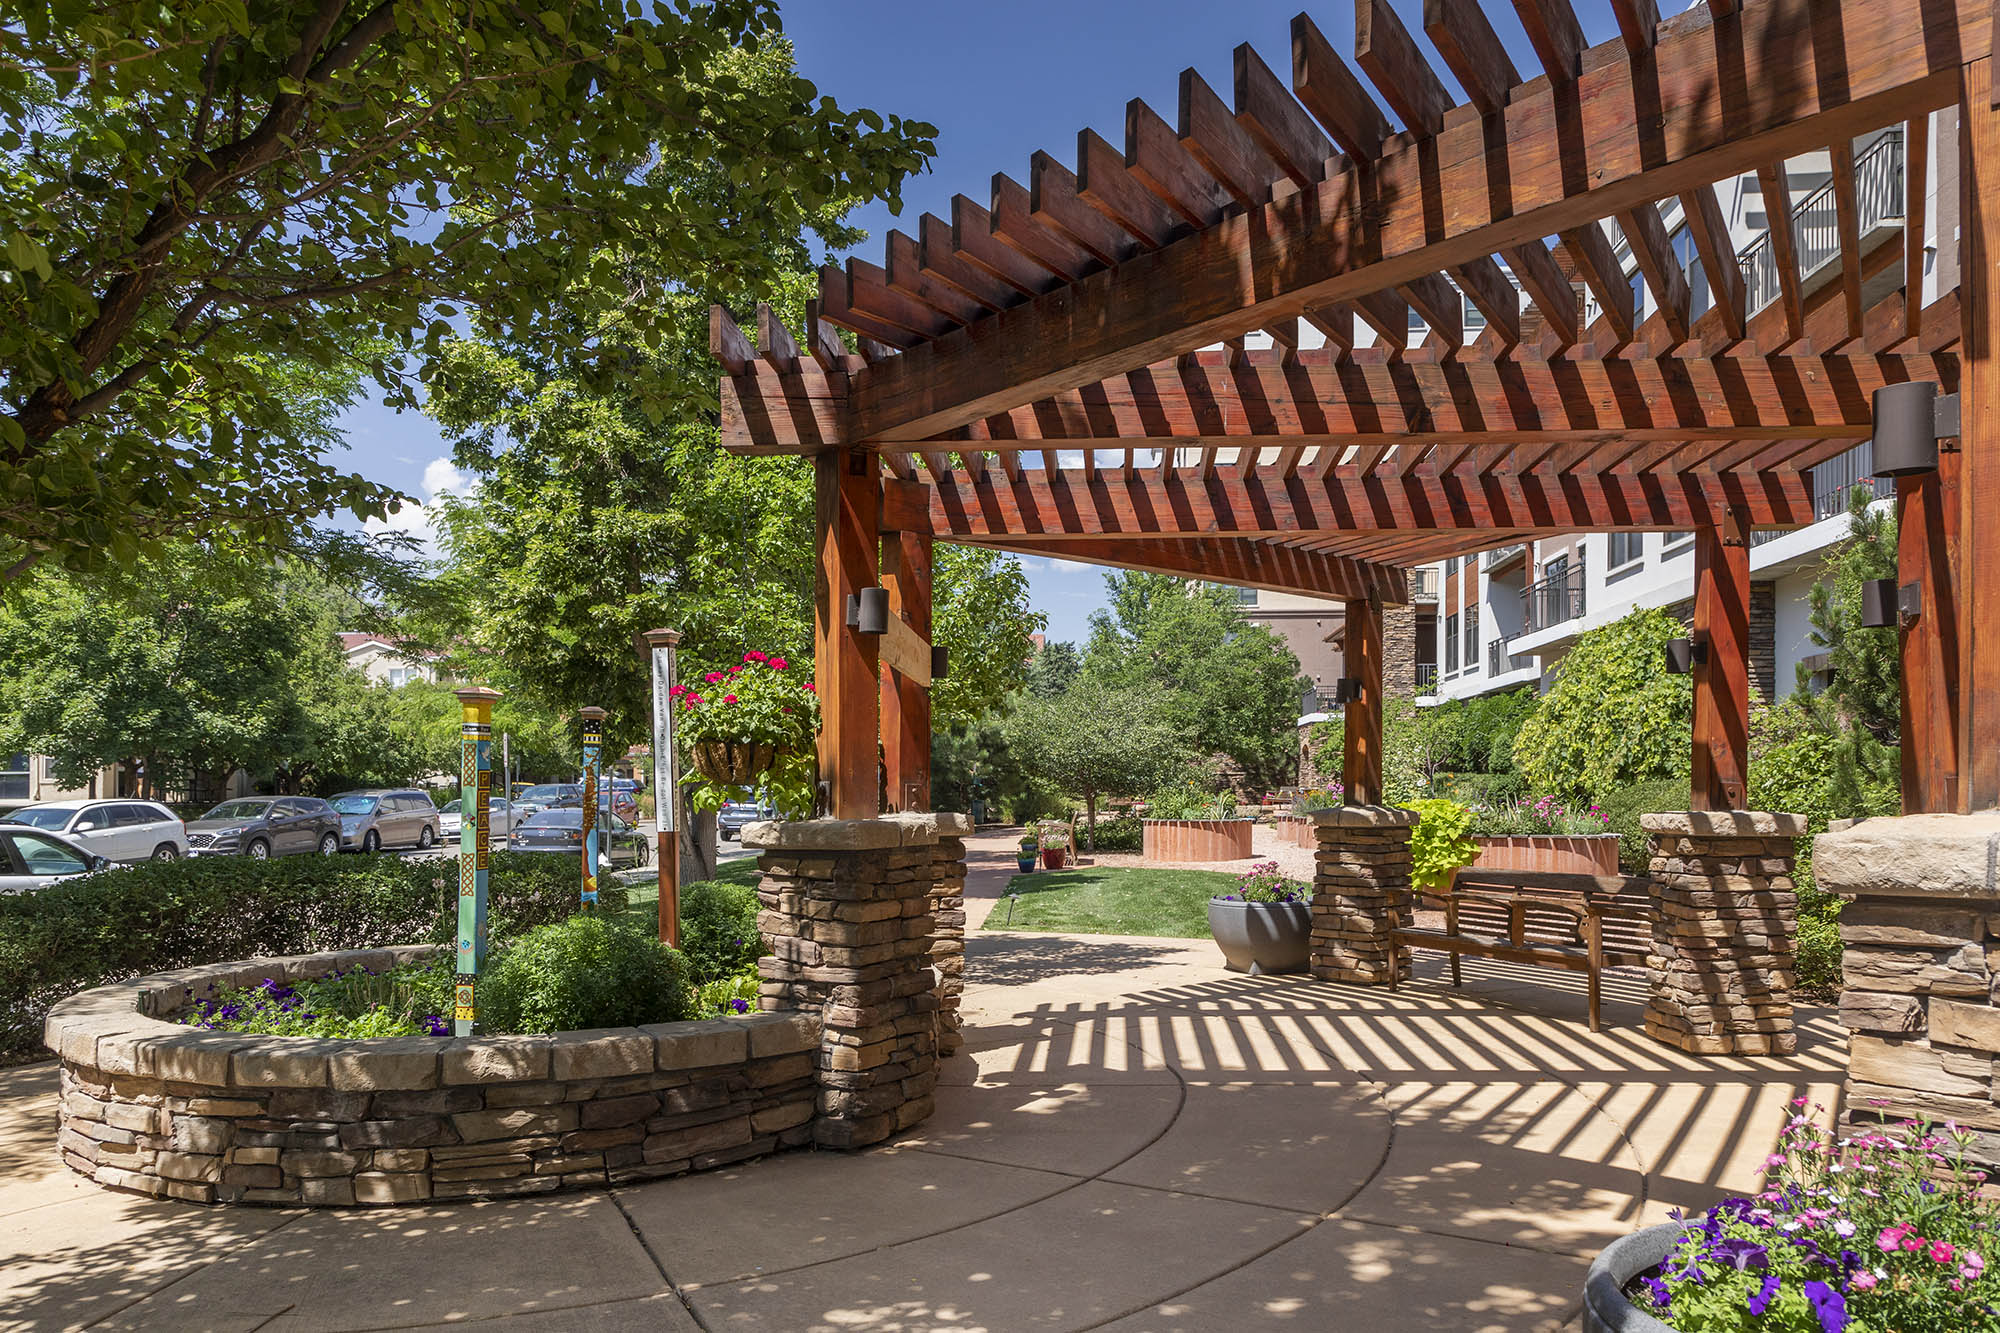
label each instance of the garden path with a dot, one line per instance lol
(1133, 1139)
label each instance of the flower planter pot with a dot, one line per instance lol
(1561, 853)
(1197, 839)
(737, 763)
(1053, 857)
(1606, 1309)
(1261, 938)
(1026, 860)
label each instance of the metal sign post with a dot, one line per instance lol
(666, 790)
(593, 754)
(475, 763)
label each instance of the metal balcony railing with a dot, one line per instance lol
(1427, 676)
(1424, 583)
(1832, 483)
(1815, 222)
(1553, 600)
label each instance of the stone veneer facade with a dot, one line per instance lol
(1920, 971)
(1725, 931)
(862, 916)
(1361, 892)
(212, 1117)
(847, 912)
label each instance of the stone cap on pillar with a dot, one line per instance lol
(854, 835)
(1362, 816)
(1912, 856)
(1725, 824)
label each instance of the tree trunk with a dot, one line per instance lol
(1090, 818)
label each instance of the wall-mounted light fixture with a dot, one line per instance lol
(1347, 690)
(1878, 603)
(1684, 655)
(940, 664)
(868, 611)
(1910, 418)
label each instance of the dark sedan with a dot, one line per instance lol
(266, 826)
(562, 831)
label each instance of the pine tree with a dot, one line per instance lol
(1862, 706)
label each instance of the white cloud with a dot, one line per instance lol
(440, 478)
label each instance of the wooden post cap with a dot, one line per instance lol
(663, 638)
(592, 713)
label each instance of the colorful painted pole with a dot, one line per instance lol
(475, 764)
(593, 753)
(666, 790)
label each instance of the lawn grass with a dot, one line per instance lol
(1113, 900)
(643, 905)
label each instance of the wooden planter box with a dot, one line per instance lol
(1197, 839)
(1580, 854)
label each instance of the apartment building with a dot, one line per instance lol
(1313, 628)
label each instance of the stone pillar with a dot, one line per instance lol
(847, 915)
(947, 901)
(1919, 997)
(1725, 931)
(1399, 651)
(1361, 892)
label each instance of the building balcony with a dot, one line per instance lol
(1424, 583)
(1427, 677)
(1553, 600)
(1502, 556)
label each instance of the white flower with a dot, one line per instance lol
(1843, 1227)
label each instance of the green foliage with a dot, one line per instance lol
(1264, 882)
(209, 203)
(1223, 685)
(1190, 799)
(1440, 843)
(1866, 688)
(719, 934)
(1052, 670)
(1126, 833)
(1624, 804)
(1615, 715)
(762, 701)
(1095, 740)
(407, 1001)
(1543, 816)
(981, 618)
(161, 915)
(726, 996)
(589, 971)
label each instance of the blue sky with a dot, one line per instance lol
(999, 82)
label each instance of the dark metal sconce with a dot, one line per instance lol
(1347, 690)
(1910, 418)
(1878, 603)
(940, 663)
(868, 611)
(1684, 655)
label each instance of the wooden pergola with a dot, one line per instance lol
(1031, 374)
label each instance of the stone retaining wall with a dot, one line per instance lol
(162, 1109)
(947, 903)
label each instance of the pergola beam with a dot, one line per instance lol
(1238, 561)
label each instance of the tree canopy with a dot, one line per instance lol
(1616, 716)
(1096, 739)
(218, 218)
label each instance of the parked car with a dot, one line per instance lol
(733, 815)
(562, 831)
(32, 859)
(547, 796)
(373, 820)
(116, 830)
(499, 817)
(260, 827)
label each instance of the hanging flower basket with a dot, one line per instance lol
(734, 763)
(748, 730)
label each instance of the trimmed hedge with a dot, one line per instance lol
(161, 915)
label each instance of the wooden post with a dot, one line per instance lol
(906, 702)
(847, 497)
(1926, 523)
(1977, 576)
(1361, 761)
(1722, 681)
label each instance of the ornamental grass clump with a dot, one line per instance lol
(1265, 883)
(1885, 1232)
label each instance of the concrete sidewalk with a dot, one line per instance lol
(1133, 1139)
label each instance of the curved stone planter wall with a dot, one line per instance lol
(152, 1106)
(1582, 854)
(1196, 839)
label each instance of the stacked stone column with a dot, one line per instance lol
(1361, 892)
(947, 899)
(1725, 931)
(847, 916)
(1920, 970)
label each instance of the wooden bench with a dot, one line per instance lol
(1577, 923)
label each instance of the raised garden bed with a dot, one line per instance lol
(1566, 854)
(160, 1108)
(1195, 840)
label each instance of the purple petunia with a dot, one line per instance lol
(1761, 1298)
(1828, 1306)
(1662, 1296)
(1742, 1255)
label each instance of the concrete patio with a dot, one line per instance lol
(1132, 1139)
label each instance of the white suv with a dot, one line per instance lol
(116, 830)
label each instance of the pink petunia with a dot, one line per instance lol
(776, 664)
(1862, 1281)
(753, 656)
(729, 698)
(809, 685)
(1971, 1264)
(712, 677)
(733, 670)
(1941, 1252)
(1891, 1238)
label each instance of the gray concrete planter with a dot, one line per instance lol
(1261, 938)
(1605, 1307)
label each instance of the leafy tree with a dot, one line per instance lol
(201, 198)
(1051, 670)
(980, 615)
(543, 746)
(1095, 740)
(1615, 716)
(1225, 686)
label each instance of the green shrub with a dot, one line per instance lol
(1615, 716)
(589, 971)
(161, 915)
(1439, 844)
(1123, 834)
(727, 995)
(719, 934)
(1482, 789)
(1625, 803)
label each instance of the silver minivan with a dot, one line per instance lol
(391, 817)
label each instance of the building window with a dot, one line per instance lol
(14, 773)
(399, 676)
(1626, 548)
(1472, 637)
(1451, 567)
(1638, 297)
(1474, 317)
(1674, 543)
(1451, 645)
(1697, 277)
(1246, 597)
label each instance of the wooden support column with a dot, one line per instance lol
(1361, 765)
(906, 700)
(1927, 520)
(1977, 575)
(1722, 682)
(847, 500)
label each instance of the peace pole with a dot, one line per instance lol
(593, 748)
(475, 764)
(666, 792)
